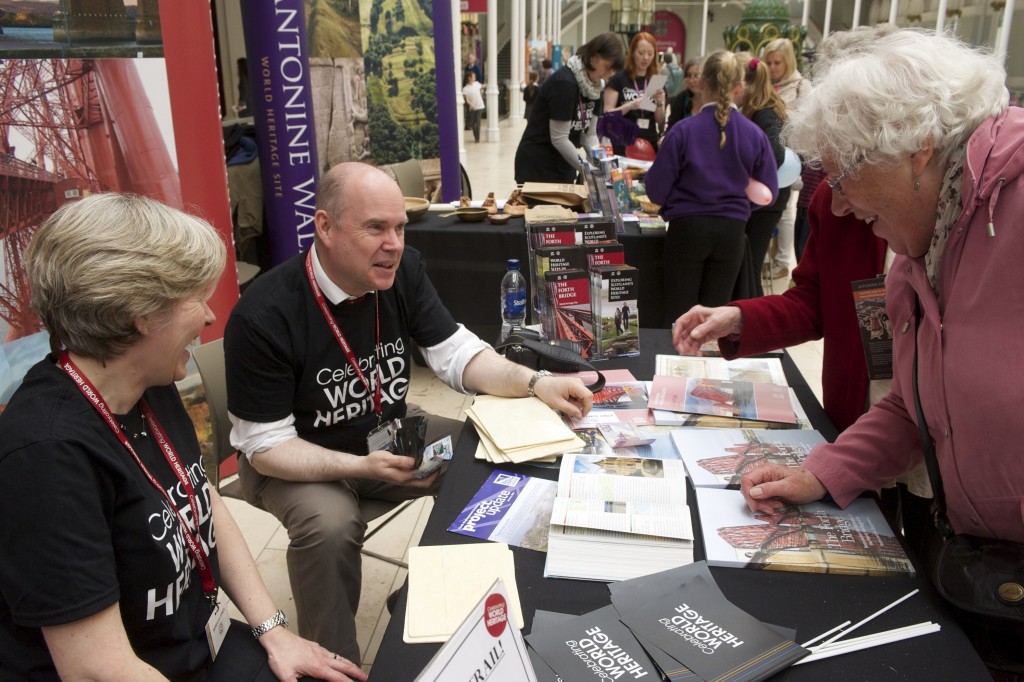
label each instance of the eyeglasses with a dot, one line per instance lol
(836, 183)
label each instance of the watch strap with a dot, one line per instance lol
(531, 388)
(270, 623)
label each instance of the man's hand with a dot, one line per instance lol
(568, 395)
(699, 325)
(767, 488)
(382, 465)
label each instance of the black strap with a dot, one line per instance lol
(554, 357)
(930, 461)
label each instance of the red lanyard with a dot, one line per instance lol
(349, 355)
(96, 400)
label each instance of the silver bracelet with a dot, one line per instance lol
(270, 623)
(531, 388)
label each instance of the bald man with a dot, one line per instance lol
(318, 354)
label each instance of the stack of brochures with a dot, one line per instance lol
(675, 625)
(519, 430)
(615, 518)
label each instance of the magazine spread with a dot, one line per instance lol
(817, 538)
(618, 517)
(718, 458)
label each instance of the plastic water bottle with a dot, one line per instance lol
(513, 299)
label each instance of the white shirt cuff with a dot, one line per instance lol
(449, 358)
(252, 437)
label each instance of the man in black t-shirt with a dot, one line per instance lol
(304, 394)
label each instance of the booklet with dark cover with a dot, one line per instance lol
(595, 645)
(695, 625)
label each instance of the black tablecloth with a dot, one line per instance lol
(466, 262)
(811, 603)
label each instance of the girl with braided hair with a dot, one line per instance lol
(699, 179)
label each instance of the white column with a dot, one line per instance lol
(805, 18)
(940, 20)
(828, 19)
(542, 22)
(515, 94)
(894, 11)
(704, 31)
(534, 34)
(460, 109)
(583, 24)
(493, 132)
(558, 21)
(856, 14)
(1003, 39)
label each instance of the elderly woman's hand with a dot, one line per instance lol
(291, 657)
(768, 488)
(699, 325)
(565, 394)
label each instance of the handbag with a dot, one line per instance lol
(982, 579)
(620, 130)
(525, 347)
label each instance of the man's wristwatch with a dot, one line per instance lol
(531, 388)
(269, 624)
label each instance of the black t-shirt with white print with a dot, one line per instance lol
(283, 359)
(558, 99)
(84, 529)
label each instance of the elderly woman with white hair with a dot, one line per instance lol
(114, 544)
(914, 132)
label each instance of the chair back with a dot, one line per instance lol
(409, 175)
(209, 358)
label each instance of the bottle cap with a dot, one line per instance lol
(513, 263)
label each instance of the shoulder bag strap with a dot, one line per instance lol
(930, 461)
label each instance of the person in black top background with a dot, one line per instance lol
(564, 116)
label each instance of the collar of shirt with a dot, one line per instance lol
(332, 292)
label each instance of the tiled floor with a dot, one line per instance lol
(490, 168)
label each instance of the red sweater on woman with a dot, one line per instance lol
(839, 251)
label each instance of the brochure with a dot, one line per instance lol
(817, 537)
(736, 399)
(509, 508)
(718, 458)
(708, 634)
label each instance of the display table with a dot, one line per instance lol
(811, 603)
(466, 262)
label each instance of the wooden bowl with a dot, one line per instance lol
(468, 214)
(415, 208)
(499, 218)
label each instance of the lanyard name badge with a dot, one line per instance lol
(218, 619)
(381, 436)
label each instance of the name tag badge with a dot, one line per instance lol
(644, 123)
(217, 628)
(382, 437)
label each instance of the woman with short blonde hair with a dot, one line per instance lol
(115, 544)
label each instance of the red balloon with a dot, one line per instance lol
(641, 149)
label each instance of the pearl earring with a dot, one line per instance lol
(917, 185)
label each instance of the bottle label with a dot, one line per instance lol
(515, 302)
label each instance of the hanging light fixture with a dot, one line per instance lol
(632, 16)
